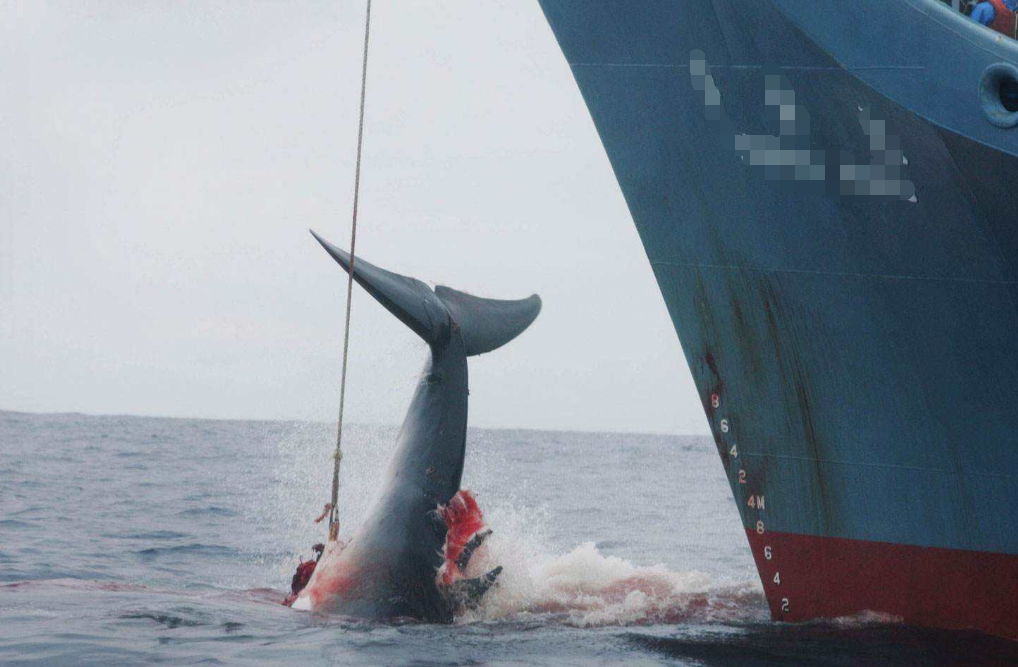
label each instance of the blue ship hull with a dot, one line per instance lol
(856, 349)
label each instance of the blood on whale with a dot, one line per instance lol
(463, 519)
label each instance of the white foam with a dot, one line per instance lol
(584, 587)
(867, 617)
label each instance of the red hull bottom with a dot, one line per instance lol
(807, 577)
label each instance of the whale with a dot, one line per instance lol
(389, 568)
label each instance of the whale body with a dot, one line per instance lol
(389, 568)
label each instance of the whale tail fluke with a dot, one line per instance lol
(488, 324)
(484, 324)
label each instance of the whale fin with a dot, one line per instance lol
(467, 593)
(488, 324)
(410, 300)
(470, 547)
(484, 324)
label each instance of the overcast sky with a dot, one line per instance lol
(162, 161)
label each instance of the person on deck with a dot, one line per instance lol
(999, 15)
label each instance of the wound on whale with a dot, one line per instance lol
(407, 558)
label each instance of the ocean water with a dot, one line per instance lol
(138, 541)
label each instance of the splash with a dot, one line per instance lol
(587, 588)
(303, 476)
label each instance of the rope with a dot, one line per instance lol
(334, 510)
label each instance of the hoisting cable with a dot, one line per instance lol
(334, 506)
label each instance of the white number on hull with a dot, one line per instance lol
(742, 477)
(734, 452)
(715, 401)
(760, 527)
(724, 426)
(756, 502)
(768, 554)
(784, 605)
(777, 578)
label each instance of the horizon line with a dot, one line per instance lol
(76, 413)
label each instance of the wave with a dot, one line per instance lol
(864, 619)
(209, 549)
(14, 523)
(78, 585)
(207, 511)
(150, 535)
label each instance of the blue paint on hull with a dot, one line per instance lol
(864, 352)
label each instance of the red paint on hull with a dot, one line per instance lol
(826, 577)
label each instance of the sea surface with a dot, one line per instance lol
(140, 541)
